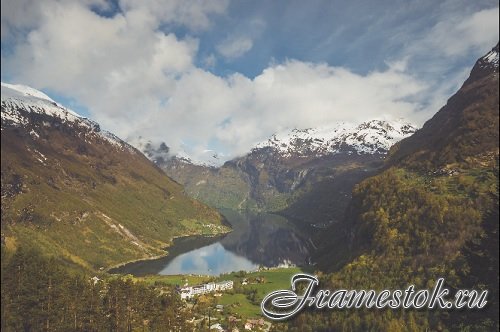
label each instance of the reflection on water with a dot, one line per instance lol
(256, 239)
(213, 259)
(265, 239)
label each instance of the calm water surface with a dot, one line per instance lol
(256, 240)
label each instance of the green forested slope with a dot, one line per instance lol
(432, 213)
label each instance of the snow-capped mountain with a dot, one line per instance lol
(370, 137)
(290, 164)
(22, 104)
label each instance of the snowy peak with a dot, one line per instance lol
(490, 59)
(20, 97)
(485, 66)
(375, 136)
(23, 106)
(23, 91)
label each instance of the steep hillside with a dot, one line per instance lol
(433, 212)
(467, 126)
(80, 193)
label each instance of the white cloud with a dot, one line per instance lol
(193, 14)
(19, 16)
(437, 55)
(459, 34)
(113, 65)
(137, 80)
(239, 111)
(455, 35)
(232, 48)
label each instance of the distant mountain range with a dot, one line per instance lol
(370, 137)
(290, 170)
(81, 193)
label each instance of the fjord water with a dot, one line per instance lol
(256, 240)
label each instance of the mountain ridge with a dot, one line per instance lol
(276, 172)
(468, 116)
(374, 136)
(82, 194)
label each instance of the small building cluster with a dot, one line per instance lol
(190, 291)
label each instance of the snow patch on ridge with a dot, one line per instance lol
(490, 59)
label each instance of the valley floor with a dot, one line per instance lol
(239, 305)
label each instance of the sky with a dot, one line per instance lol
(221, 75)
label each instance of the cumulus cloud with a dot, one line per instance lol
(239, 112)
(138, 78)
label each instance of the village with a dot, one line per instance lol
(188, 292)
(216, 313)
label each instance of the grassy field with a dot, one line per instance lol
(244, 300)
